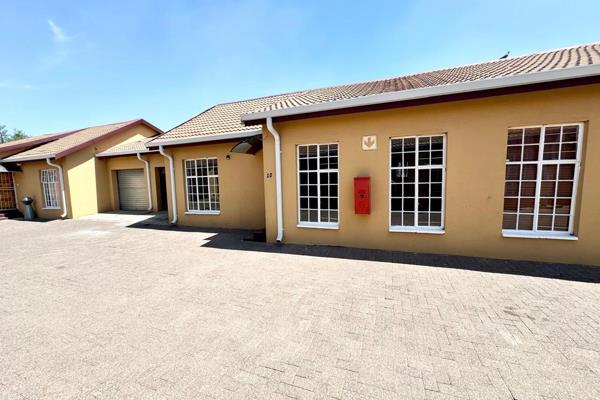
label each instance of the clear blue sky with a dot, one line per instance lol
(69, 64)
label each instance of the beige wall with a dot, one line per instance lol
(28, 183)
(86, 178)
(240, 187)
(476, 152)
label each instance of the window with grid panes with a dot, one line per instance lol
(49, 179)
(202, 185)
(318, 184)
(542, 167)
(417, 183)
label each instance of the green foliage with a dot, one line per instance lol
(3, 134)
(16, 135)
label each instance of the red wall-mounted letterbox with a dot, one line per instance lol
(362, 195)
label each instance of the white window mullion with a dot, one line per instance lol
(416, 221)
(538, 180)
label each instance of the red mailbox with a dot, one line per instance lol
(362, 195)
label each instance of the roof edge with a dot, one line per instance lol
(124, 153)
(30, 158)
(433, 91)
(204, 139)
(35, 142)
(87, 143)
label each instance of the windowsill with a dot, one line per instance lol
(538, 235)
(402, 229)
(203, 212)
(317, 226)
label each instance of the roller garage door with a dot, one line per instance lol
(133, 195)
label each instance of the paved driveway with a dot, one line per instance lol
(92, 309)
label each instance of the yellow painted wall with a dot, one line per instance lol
(86, 178)
(240, 187)
(113, 164)
(28, 183)
(476, 154)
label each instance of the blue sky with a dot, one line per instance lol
(70, 64)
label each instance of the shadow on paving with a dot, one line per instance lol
(232, 239)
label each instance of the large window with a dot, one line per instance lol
(50, 188)
(202, 186)
(318, 185)
(542, 168)
(417, 183)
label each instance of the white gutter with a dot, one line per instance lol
(161, 150)
(62, 186)
(15, 159)
(205, 138)
(420, 93)
(147, 164)
(124, 153)
(275, 135)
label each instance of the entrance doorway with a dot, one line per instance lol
(7, 192)
(161, 188)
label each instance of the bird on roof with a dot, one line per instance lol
(505, 56)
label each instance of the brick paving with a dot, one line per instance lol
(91, 309)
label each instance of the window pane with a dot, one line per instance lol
(509, 221)
(409, 179)
(202, 184)
(554, 186)
(317, 182)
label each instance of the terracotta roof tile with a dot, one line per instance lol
(552, 60)
(226, 118)
(72, 141)
(32, 141)
(218, 120)
(126, 148)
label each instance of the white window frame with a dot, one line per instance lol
(544, 234)
(187, 198)
(416, 228)
(50, 189)
(317, 225)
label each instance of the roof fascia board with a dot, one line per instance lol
(125, 153)
(204, 139)
(433, 91)
(38, 157)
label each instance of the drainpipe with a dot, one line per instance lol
(147, 180)
(275, 135)
(62, 186)
(161, 150)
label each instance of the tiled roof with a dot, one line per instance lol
(16, 145)
(126, 148)
(73, 142)
(225, 118)
(551, 60)
(217, 120)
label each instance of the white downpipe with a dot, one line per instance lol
(61, 178)
(147, 164)
(161, 150)
(275, 135)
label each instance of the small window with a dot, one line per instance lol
(50, 188)
(318, 185)
(202, 186)
(417, 183)
(542, 168)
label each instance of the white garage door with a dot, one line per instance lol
(133, 195)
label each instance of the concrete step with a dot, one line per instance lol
(9, 214)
